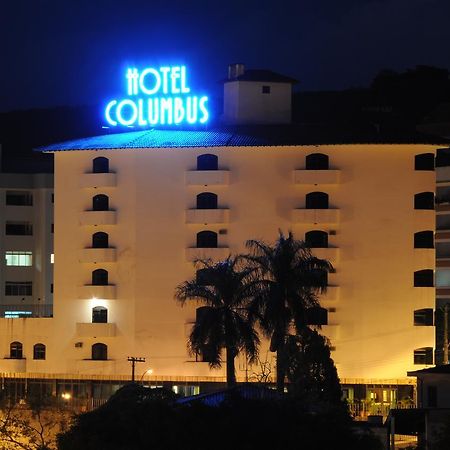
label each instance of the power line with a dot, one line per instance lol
(134, 360)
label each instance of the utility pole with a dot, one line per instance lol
(446, 308)
(134, 360)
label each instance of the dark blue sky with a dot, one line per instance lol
(74, 52)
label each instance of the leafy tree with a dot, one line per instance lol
(290, 279)
(225, 288)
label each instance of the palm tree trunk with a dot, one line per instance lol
(231, 374)
(280, 369)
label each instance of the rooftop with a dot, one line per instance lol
(263, 75)
(443, 369)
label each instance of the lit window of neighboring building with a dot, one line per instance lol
(19, 258)
(52, 258)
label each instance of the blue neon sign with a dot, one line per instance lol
(157, 96)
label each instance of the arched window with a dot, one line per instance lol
(100, 240)
(15, 350)
(100, 165)
(39, 351)
(100, 352)
(207, 239)
(99, 314)
(423, 355)
(424, 278)
(206, 200)
(317, 161)
(424, 200)
(424, 239)
(317, 200)
(316, 239)
(316, 316)
(100, 202)
(424, 161)
(100, 277)
(207, 162)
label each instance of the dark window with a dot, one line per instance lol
(432, 396)
(423, 355)
(443, 157)
(19, 198)
(19, 228)
(39, 351)
(100, 277)
(99, 314)
(99, 352)
(424, 200)
(100, 202)
(316, 316)
(51, 288)
(16, 350)
(424, 278)
(423, 317)
(206, 239)
(18, 288)
(266, 89)
(424, 239)
(100, 165)
(316, 239)
(424, 161)
(316, 200)
(317, 161)
(52, 228)
(100, 240)
(206, 200)
(53, 198)
(207, 162)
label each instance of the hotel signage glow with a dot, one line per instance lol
(157, 96)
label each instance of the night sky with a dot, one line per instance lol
(74, 52)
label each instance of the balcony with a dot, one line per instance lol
(98, 180)
(443, 292)
(14, 365)
(97, 255)
(96, 330)
(442, 236)
(207, 216)
(442, 262)
(98, 218)
(443, 208)
(316, 216)
(89, 291)
(208, 177)
(316, 177)
(215, 254)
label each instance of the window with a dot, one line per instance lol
(432, 396)
(39, 351)
(19, 198)
(424, 278)
(53, 198)
(317, 161)
(100, 202)
(316, 200)
(52, 228)
(51, 288)
(424, 200)
(316, 239)
(206, 200)
(207, 239)
(423, 317)
(266, 89)
(316, 316)
(443, 157)
(424, 161)
(100, 165)
(16, 350)
(18, 288)
(424, 239)
(19, 228)
(100, 277)
(99, 352)
(423, 355)
(207, 162)
(19, 258)
(100, 240)
(99, 314)
(52, 258)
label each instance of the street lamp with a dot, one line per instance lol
(148, 371)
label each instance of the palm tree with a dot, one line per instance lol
(224, 288)
(290, 279)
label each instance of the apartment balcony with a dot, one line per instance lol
(89, 291)
(207, 216)
(98, 180)
(443, 176)
(208, 177)
(98, 218)
(316, 216)
(443, 292)
(442, 236)
(97, 255)
(443, 208)
(96, 330)
(14, 365)
(215, 254)
(442, 262)
(317, 177)
(329, 253)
